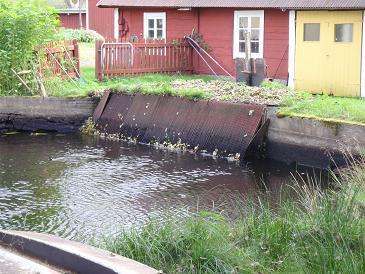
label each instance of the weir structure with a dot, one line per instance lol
(216, 127)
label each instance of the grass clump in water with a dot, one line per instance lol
(89, 127)
(321, 232)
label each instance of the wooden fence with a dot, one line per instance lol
(61, 58)
(115, 59)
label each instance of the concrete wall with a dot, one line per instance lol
(53, 114)
(310, 142)
(62, 256)
(293, 140)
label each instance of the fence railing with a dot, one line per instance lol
(61, 59)
(115, 59)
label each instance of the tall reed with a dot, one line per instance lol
(322, 231)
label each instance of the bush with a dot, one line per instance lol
(24, 26)
(81, 35)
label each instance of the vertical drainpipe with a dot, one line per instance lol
(362, 84)
(116, 23)
(292, 42)
(87, 14)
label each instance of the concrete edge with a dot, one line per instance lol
(74, 256)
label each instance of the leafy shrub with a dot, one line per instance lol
(25, 26)
(81, 35)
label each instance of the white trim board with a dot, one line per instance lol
(116, 23)
(87, 15)
(248, 13)
(292, 43)
(362, 79)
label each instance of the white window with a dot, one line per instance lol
(251, 21)
(154, 25)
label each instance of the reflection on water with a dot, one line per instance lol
(82, 188)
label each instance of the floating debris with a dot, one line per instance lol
(10, 133)
(39, 134)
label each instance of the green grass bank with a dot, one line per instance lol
(323, 107)
(322, 231)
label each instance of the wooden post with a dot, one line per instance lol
(248, 52)
(98, 68)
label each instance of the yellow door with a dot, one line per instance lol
(328, 52)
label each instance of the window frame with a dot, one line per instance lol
(352, 33)
(250, 14)
(320, 32)
(154, 15)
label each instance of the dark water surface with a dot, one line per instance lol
(82, 188)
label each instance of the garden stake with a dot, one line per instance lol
(21, 80)
(82, 80)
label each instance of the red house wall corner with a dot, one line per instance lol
(101, 19)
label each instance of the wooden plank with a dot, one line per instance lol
(101, 106)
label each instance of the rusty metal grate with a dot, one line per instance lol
(230, 128)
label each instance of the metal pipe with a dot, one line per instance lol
(201, 56)
(111, 43)
(190, 39)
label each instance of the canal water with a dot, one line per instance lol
(84, 188)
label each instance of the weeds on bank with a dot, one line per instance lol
(321, 232)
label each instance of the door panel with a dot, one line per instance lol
(326, 65)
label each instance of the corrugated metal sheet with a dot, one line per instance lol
(287, 4)
(230, 128)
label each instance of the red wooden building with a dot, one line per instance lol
(100, 20)
(68, 11)
(72, 20)
(222, 24)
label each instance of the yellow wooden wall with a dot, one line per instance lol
(327, 66)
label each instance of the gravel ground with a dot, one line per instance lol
(225, 90)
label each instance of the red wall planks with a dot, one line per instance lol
(276, 46)
(178, 22)
(71, 20)
(216, 25)
(101, 19)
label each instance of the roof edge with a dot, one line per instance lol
(288, 4)
(65, 11)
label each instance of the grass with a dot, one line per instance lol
(325, 108)
(158, 84)
(322, 232)
(87, 54)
